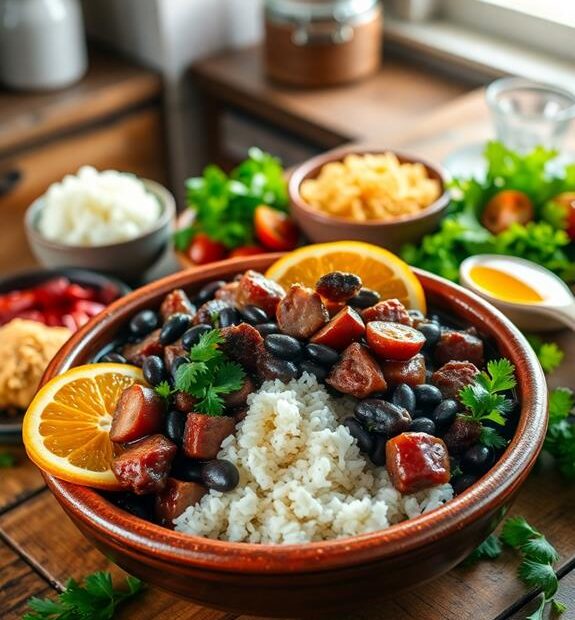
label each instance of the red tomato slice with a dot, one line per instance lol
(247, 250)
(345, 327)
(204, 250)
(275, 229)
(507, 207)
(567, 201)
(393, 341)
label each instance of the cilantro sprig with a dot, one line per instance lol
(484, 401)
(207, 375)
(537, 558)
(97, 599)
(549, 354)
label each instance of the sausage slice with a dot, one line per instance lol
(301, 312)
(357, 373)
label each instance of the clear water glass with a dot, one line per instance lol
(527, 114)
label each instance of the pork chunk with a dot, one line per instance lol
(256, 290)
(176, 302)
(357, 373)
(243, 344)
(204, 434)
(301, 312)
(459, 346)
(452, 377)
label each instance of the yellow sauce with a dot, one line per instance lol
(503, 285)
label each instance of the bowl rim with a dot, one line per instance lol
(312, 165)
(140, 538)
(167, 215)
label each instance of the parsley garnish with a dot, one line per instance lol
(163, 389)
(7, 460)
(208, 374)
(97, 599)
(537, 558)
(485, 403)
(549, 354)
(560, 439)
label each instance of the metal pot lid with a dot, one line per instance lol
(312, 10)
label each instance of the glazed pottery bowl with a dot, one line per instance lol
(11, 427)
(127, 259)
(321, 227)
(296, 580)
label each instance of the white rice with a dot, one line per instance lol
(302, 477)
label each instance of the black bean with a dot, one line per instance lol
(377, 455)
(174, 327)
(220, 475)
(138, 505)
(314, 369)
(382, 417)
(114, 357)
(444, 414)
(271, 367)
(422, 425)
(177, 363)
(192, 335)
(254, 315)
(427, 395)
(228, 317)
(432, 333)
(265, 329)
(144, 322)
(188, 470)
(365, 440)
(477, 459)
(462, 482)
(403, 396)
(283, 346)
(321, 354)
(154, 369)
(208, 291)
(364, 299)
(175, 424)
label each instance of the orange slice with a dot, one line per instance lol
(66, 428)
(379, 269)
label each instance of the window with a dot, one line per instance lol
(558, 11)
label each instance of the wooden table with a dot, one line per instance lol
(40, 549)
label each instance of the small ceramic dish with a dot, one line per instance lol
(295, 580)
(127, 259)
(321, 227)
(11, 427)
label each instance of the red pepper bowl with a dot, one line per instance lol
(296, 580)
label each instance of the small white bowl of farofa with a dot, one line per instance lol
(373, 195)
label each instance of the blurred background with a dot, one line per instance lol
(162, 87)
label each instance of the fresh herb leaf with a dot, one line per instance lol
(540, 549)
(97, 600)
(558, 607)
(560, 438)
(224, 205)
(549, 354)
(228, 377)
(206, 349)
(538, 613)
(516, 532)
(539, 575)
(490, 549)
(484, 402)
(163, 389)
(188, 376)
(211, 403)
(7, 460)
(491, 438)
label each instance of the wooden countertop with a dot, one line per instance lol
(390, 102)
(110, 86)
(40, 548)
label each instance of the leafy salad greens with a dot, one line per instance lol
(461, 233)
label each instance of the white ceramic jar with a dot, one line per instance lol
(42, 43)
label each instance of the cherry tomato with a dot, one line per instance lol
(345, 328)
(393, 341)
(204, 250)
(247, 250)
(507, 207)
(275, 229)
(567, 201)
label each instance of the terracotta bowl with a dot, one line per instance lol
(126, 259)
(295, 580)
(321, 227)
